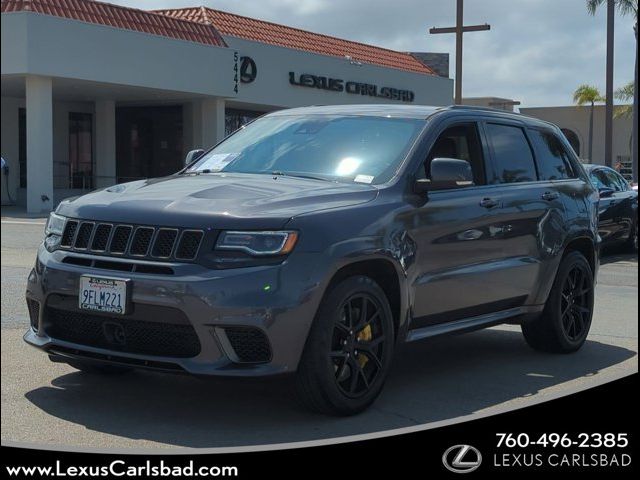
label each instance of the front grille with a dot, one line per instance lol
(141, 241)
(163, 246)
(69, 233)
(124, 334)
(120, 239)
(132, 240)
(34, 310)
(83, 236)
(250, 344)
(189, 244)
(101, 237)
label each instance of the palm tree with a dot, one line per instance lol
(625, 94)
(587, 94)
(627, 7)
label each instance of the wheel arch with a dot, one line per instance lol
(386, 274)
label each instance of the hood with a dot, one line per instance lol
(226, 200)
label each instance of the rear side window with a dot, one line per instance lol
(554, 162)
(512, 156)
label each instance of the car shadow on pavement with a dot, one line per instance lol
(431, 381)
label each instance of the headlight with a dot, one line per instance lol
(53, 231)
(258, 243)
(55, 224)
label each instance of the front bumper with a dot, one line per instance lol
(277, 302)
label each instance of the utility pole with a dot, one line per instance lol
(608, 128)
(459, 30)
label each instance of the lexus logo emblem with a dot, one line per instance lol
(248, 70)
(462, 459)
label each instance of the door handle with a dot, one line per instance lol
(548, 196)
(489, 202)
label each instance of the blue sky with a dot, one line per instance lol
(538, 51)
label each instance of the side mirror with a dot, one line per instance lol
(446, 173)
(192, 156)
(606, 192)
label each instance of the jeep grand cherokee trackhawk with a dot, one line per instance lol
(315, 240)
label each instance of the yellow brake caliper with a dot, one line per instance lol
(364, 335)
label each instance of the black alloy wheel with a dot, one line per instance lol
(564, 324)
(357, 344)
(576, 302)
(349, 349)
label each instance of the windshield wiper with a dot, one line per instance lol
(280, 173)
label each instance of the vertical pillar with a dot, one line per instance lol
(39, 105)
(105, 172)
(207, 122)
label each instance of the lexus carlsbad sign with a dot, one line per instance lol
(323, 82)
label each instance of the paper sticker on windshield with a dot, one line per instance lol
(217, 161)
(364, 178)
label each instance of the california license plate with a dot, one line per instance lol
(100, 294)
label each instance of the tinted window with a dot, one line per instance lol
(618, 183)
(512, 156)
(461, 142)
(601, 180)
(553, 160)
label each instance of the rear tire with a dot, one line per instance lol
(98, 369)
(564, 324)
(349, 349)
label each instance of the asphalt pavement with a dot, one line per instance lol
(433, 381)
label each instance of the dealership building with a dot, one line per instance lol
(94, 94)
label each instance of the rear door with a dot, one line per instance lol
(532, 210)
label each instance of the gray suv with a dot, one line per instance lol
(316, 240)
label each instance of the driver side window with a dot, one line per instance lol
(461, 142)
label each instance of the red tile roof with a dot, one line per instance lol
(274, 34)
(119, 17)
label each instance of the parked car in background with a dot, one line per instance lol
(315, 240)
(618, 207)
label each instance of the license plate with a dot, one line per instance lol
(99, 294)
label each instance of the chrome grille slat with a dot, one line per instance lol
(135, 241)
(164, 242)
(189, 244)
(141, 241)
(120, 239)
(83, 235)
(101, 237)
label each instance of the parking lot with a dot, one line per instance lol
(434, 381)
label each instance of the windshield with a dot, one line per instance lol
(339, 148)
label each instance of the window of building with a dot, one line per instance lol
(554, 162)
(22, 146)
(80, 150)
(512, 157)
(234, 119)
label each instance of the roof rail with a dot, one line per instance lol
(482, 109)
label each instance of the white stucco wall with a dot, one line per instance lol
(53, 46)
(577, 119)
(271, 86)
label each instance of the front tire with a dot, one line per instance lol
(349, 349)
(564, 324)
